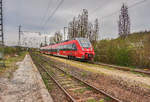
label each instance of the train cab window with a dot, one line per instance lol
(70, 47)
(74, 47)
(85, 43)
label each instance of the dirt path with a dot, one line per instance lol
(26, 85)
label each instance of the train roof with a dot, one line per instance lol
(60, 43)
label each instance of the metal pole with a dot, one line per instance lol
(1, 23)
(65, 32)
(19, 43)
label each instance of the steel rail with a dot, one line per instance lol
(95, 88)
(70, 97)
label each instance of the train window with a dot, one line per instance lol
(74, 47)
(62, 47)
(66, 47)
(84, 42)
(70, 47)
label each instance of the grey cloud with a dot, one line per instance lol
(30, 13)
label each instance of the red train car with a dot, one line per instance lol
(80, 48)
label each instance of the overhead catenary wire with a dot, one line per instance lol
(131, 6)
(53, 13)
(46, 12)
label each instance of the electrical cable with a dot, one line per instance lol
(53, 13)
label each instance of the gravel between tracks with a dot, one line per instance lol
(26, 85)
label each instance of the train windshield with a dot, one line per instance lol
(85, 43)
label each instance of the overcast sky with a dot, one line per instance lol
(32, 15)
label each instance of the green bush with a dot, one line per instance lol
(132, 51)
(10, 50)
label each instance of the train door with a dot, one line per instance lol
(58, 50)
(74, 50)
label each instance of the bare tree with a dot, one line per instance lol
(85, 22)
(124, 22)
(90, 31)
(81, 27)
(96, 30)
(51, 40)
(57, 37)
(41, 44)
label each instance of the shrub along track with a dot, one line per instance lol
(75, 89)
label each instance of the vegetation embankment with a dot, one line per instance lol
(133, 51)
(11, 56)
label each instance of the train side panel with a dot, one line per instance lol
(71, 49)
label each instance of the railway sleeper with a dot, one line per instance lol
(62, 80)
(77, 88)
(86, 99)
(65, 83)
(71, 85)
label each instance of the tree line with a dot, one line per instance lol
(80, 26)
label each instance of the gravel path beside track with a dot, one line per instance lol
(25, 86)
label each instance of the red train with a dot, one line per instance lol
(80, 48)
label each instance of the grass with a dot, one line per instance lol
(83, 74)
(140, 74)
(101, 100)
(94, 100)
(81, 83)
(11, 66)
(91, 100)
(47, 82)
(107, 99)
(82, 90)
(44, 75)
(89, 88)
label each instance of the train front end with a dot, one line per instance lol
(86, 49)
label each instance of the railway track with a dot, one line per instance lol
(74, 88)
(146, 72)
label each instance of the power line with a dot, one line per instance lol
(133, 5)
(53, 13)
(46, 12)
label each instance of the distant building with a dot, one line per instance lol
(34, 39)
